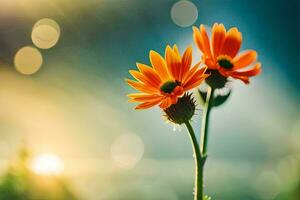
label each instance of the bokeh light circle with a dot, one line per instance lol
(127, 150)
(184, 13)
(45, 33)
(28, 60)
(267, 185)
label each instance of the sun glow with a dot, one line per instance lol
(47, 164)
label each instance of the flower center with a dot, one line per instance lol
(225, 62)
(169, 86)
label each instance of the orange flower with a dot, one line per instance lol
(167, 79)
(221, 53)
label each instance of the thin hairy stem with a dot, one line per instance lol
(198, 190)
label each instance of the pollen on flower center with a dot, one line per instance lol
(169, 86)
(225, 62)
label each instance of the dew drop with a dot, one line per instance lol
(174, 128)
(177, 128)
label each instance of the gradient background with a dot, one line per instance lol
(76, 105)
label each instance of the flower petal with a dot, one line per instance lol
(149, 72)
(245, 79)
(190, 73)
(209, 62)
(198, 38)
(244, 59)
(142, 97)
(174, 99)
(193, 75)
(195, 82)
(144, 79)
(251, 72)
(244, 75)
(218, 36)
(186, 62)
(205, 40)
(195, 78)
(173, 62)
(159, 64)
(178, 91)
(175, 49)
(232, 43)
(167, 102)
(142, 87)
(146, 105)
(202, 40)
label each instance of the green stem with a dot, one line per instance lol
(198, 190)
(205, 121)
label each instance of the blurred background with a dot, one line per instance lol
(67, 131)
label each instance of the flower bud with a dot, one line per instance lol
(216, 80)
(183, 110)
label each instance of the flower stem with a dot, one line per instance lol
(205, 121)
(198, 190)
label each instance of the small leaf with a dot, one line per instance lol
(219, 100)
(202, 97)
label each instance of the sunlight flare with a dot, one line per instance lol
(47, 164)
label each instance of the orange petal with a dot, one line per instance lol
(173, 62)
(202, 40)
(195, 80)
(190, 73)
(174, 99)
(218, 36)
(166, 103)
(147, 104)
(245, 79)
(159, 65)
(195, 75)
(142, 78)
(142, 87)
(232, 43)
(178, 91)
(142, 97)
(149, 72)
(227, 73)
(198, 38)
(175, 49)
(205, 41)
(210, 63)
(224, 72)
(244, 59)
(186, 62)
(251, 72)
(243, 76)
